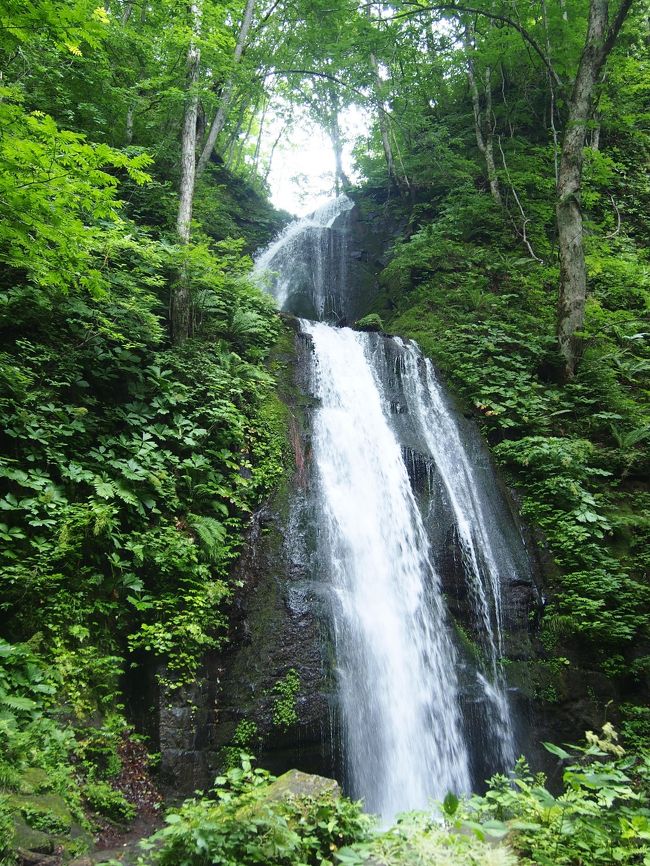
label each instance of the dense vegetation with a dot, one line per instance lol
(140, 417)
(599, 817)
(129, 465)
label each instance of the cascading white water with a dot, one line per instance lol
(395, 660)
(411, 730)
(485, 556)
(306, 259)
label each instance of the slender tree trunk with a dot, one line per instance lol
(484, 127)
(128, 133)
(226, 96)
(260, 135)
(233, 137)
(240, 143)
(269, 164)
(383, 122)
(181, 302)
(127, 11)
(384, 127)
(334, 130)
(488, 152)
(340, 178)
(594, 144)
(573, 273)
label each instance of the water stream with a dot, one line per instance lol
(417, 715)
(394, 657)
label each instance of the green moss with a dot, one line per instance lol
(469, 646)
(285, 713)
(371, 322)
(47, 812)
(33, 780)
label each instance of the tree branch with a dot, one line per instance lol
(615, 26)
(329, 77)
(618, 219)
(472, 10)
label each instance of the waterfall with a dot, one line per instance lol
(418, 716)
(306, 264)
(486, 558)
(395, 659)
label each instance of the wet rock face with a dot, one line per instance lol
(276, 628)
(280, 621)
(334, 269)
(278, 632)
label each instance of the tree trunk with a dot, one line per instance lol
(334, 130)
(127, 12)
(181, 302)
(383, 123)
(128, 133)
(573, 274)
(226, 96)
(484, 128)
(340, 177)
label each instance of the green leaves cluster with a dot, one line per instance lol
(285, 713)
(600, 817)
(244, 825)
(58, 205)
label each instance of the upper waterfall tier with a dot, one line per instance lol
(306, 268)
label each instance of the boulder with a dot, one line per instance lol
(27, 839)
(295, 783)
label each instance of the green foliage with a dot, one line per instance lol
(635, 727)
(28, 733)
(599, 818)
(106, 801)
(6, 834)
(241, 826)
(55, 193)
(42, 760)
(245, 742)
(129, 469)
(285, 711)
(418, 839)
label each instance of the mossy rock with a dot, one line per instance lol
(47, 812)
(371, 323)
(33, 780)
(26, 838)
(295, 783)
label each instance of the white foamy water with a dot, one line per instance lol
(395, 660)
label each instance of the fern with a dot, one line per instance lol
(10, 777)
(211, 535)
